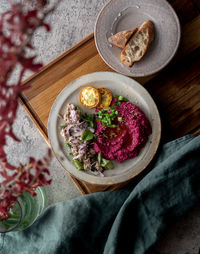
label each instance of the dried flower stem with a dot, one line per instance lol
(17, 26)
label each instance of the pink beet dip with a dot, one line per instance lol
(127, 139)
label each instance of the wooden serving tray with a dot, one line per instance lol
(176, 89)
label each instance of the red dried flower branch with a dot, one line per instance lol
(23, 178)
(17, 26)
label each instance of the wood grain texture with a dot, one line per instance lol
(176, 89)
(196, 4)
(185, 9)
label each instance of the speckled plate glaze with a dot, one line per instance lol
(119, 15)
(118, 84)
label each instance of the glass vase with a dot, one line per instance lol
(25, 211)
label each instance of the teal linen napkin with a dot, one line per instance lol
(129, 220)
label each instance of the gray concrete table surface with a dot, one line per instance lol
(71, 22)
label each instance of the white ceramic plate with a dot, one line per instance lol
(119, 15)
(118, 84)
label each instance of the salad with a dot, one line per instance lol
(117, 130)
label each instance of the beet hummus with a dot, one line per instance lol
(126, 140)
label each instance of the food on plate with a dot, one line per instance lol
(133, 42)
(106, 97)
(90, 97)
(137, 46)
(121, 38)
(127, 134)
(79, 136)
(116, 132)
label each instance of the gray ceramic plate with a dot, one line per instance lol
(119, 15)
(118, 84)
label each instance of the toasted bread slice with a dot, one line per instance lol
(120, 39)
(106, 97)
(138, 44)
(90, 97)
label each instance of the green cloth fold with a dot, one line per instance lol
(129, 220)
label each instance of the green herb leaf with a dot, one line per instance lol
(68, 145)
(104, 162)
(71, 154)
(62, 126)
(107, 164)
(106, 118)
(87, 135)
(77, 108)
(112, 125)
(78, 164)
(99, 157)
(120, 98)
(88, 118)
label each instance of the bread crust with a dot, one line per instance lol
(120, 39)
(147, 25)
(150, 26)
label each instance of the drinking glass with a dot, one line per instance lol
(25, 211)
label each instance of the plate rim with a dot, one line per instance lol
(107, 180)
(131, 74)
